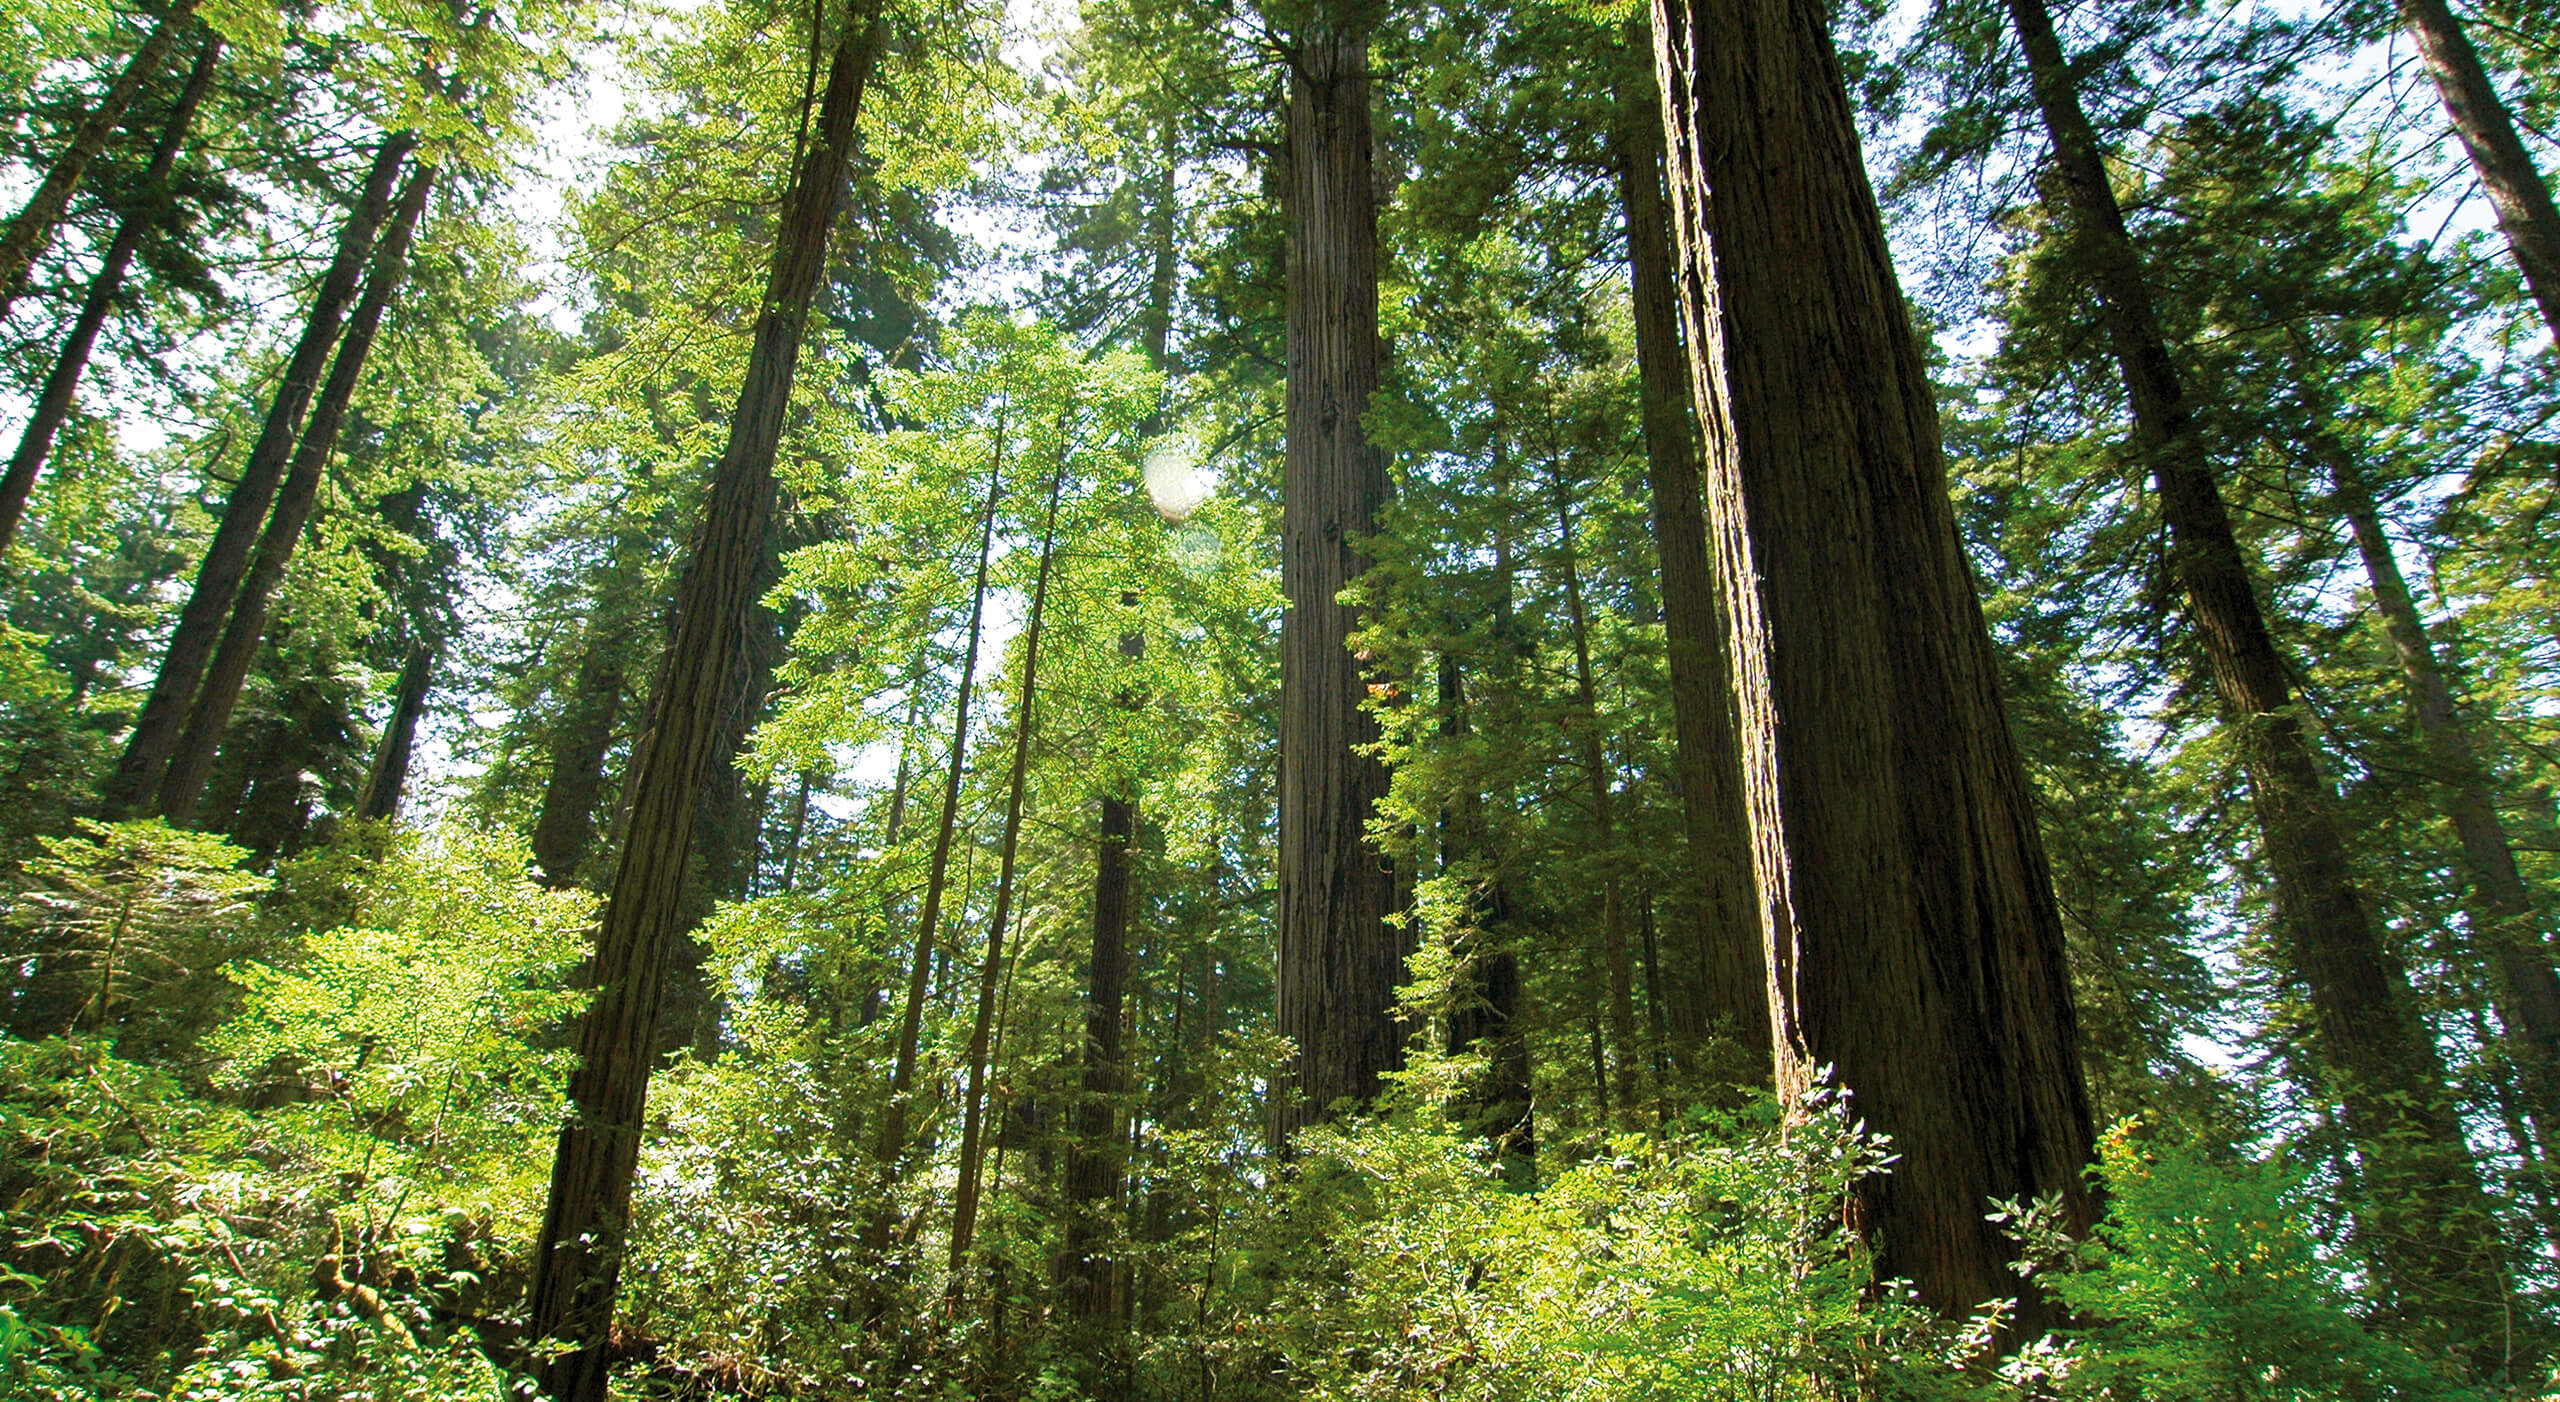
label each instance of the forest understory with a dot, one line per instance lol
(1254, 699)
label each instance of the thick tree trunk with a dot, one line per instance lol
(577, 1259)
(1614, 960)
(2499, 908)
(2437, 1241)
(135, 786)
(1339, 961)
(30, 231)
(296, 498)
(54, 401)
(390, 774)
(1907, 917)
(2516, 190)
(964, 1202)
(1731, 994)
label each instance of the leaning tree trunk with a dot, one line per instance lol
(135, 786)
(578, 1257)
(296, 498)
(964, 1198)
(2499, 907)
(2516, 190)
(1731, 998)
(30, 231)
(390, 772)
(53, 402)
(2424, 1214)
(1339, 960)
(1907, 916)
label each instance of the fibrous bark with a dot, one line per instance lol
(135, 786)
(1339, 961)
(54, 401)
(296, 497)
(30, 231)
(2424, 1214)
(1908, 922)
(577, 1259)
(1731, 995)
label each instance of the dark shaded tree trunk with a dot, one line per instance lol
(296, 498)
(1598, 774)
(991, 974)
(565, 831)
(1486, 1019)
(54, 401)
(2516, 190)
(390, 774)
(2424, 1214)
(2499, 909)
(1339, 961)
(30, 231)
(1731, 995)
(577, 1259)
(1907, 918)
(135, 786)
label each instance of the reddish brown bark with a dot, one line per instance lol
(135, 786)
(577, 1258)
(1909, 926)
(2516, 190)
(1339, 961)
(296, 498)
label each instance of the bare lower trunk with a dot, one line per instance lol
(578, 1257)
(30, 231)
(54, 401)
(2436, 1239)
(1729, 997)
(1339, 961)
(2516, 190)
(2498, 906)
(390, 774)
(1908, 922)
(296, 498)
(135, 786)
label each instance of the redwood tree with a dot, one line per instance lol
(577, 1258)
(1908, 921)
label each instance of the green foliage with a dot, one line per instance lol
(125, 925)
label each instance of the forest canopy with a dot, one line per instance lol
(1255, 699)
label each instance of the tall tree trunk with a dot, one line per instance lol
(390, 773)
(54, 401)
(2436, 1241)
(964, 1206)
(1339, 961)
(2499, 908)
(30, 231)
(1733, 999)
(565, 830)
(135, 786)
(578, 1256)
(1906, 913)
(1614, 960)
(893, 1116)
(296, 498)
(2516, 190)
